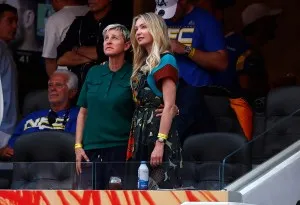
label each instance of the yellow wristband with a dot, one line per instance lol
(192, 53)
(162, 136)
(78, 145)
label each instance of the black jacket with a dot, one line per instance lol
(86, 31)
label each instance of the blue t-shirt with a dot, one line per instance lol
(38, 121)
(202, 31)
(236, 45)
(243, 60)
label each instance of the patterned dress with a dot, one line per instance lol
(144, 131)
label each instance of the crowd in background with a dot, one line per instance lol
(134, 90)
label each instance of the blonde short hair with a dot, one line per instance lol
(125, 32)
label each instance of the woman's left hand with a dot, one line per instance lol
(157, 154)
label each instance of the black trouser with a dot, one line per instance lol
(194, 116)
(107, 162)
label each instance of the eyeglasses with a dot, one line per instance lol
(57, 85)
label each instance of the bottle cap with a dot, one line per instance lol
(143, 162)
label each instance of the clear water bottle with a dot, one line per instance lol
(143, 176)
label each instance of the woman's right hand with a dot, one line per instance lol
(80, 153)
(160, 109)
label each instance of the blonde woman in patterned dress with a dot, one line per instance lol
(154, 81)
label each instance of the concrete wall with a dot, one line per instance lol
(280, 186)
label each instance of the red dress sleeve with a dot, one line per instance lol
(168, 71)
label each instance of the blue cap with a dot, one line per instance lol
(143, 162)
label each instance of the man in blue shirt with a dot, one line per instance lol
(246, 75)
(62, 116)
(198, 43)
(8, 25)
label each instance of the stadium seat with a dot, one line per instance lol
(217, 100)
(282, 120)
(35, 101)
(4, 183)
(38, 161)
(203, 155)
(259, 124)
(5, 177)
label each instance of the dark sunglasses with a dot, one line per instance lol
(52, 117)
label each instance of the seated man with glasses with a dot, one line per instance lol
(62, 116)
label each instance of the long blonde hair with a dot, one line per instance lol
(161, 43)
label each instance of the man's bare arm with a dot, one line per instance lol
(51, 65)
(88, 51)
(217, 60)
(71, 58)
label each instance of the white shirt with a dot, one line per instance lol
(57, 26)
